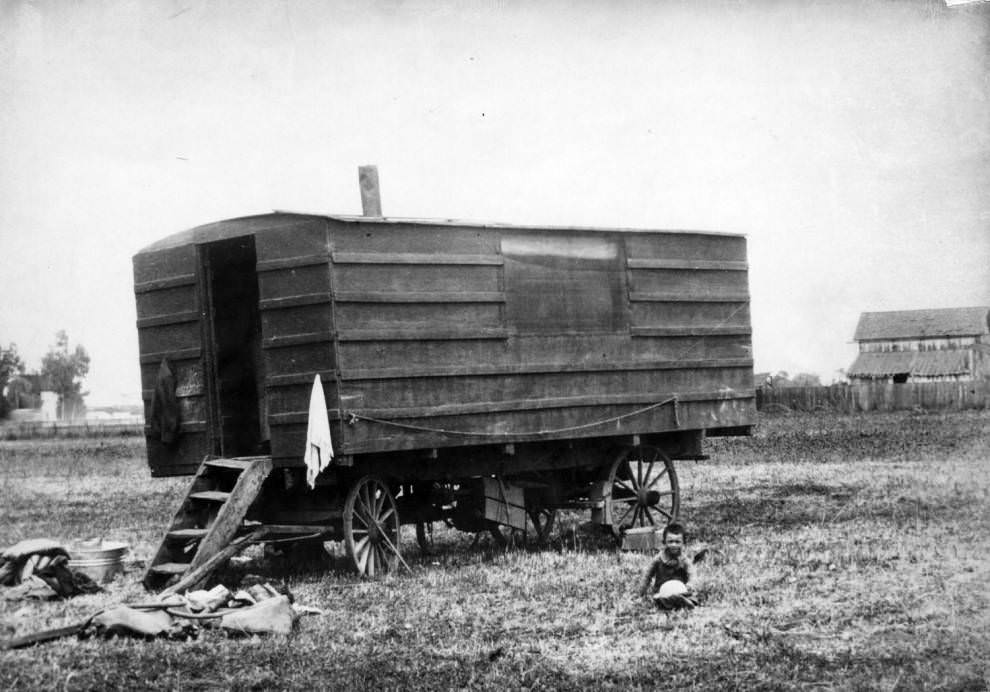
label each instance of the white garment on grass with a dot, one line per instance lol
(319, 449)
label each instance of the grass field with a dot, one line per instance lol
(848, 552)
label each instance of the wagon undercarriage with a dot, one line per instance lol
(363, 506)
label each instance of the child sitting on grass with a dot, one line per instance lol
(671, 573)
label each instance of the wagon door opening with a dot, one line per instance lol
(235, 369)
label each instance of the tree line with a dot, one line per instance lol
(62, 372)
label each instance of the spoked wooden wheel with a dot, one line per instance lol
(371, 527)
(642, 490)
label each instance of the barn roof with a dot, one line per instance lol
(908, 324)
(914, 363)
(245, 225)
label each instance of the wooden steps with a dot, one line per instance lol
(210, 516)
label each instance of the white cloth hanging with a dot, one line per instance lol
(319, 448)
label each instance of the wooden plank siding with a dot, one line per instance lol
(295, 300)
(168, 321)
(429, 351)
(399, 290)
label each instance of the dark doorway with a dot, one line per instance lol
(235, 370)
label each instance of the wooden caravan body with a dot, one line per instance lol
(524, 357)
(431, 335)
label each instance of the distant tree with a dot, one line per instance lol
(782, 378)
(803, 379)
(64, 372)
(10, 365)
(779, 379)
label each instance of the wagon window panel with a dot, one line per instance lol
(563, 283)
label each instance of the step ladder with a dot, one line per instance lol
(211, 515)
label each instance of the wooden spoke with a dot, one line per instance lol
(629, 508)
(649, 516)
(362, 557)
(369, 502)
(659, 477)
(623, 484)
(363, 519)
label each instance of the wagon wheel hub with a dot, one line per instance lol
(648, 498)
(374, 533)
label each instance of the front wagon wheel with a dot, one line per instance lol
(642, 490)
(371, 527)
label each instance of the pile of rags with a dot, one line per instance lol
(260, 609)
(39, 568)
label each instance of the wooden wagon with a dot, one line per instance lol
(480, 374)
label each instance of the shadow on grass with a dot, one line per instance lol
(456, 550)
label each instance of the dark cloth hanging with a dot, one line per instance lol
(165, 406)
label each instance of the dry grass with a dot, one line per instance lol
(849, 552)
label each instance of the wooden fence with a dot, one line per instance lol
(853, 398)
(37, 430)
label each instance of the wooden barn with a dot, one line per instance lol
(951, 344)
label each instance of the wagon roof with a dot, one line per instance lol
(231, 228)
(907, 324)
(914, 363)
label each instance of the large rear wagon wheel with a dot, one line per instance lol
(371, 527)
(642, 490)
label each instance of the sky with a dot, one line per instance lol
(850, 142)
